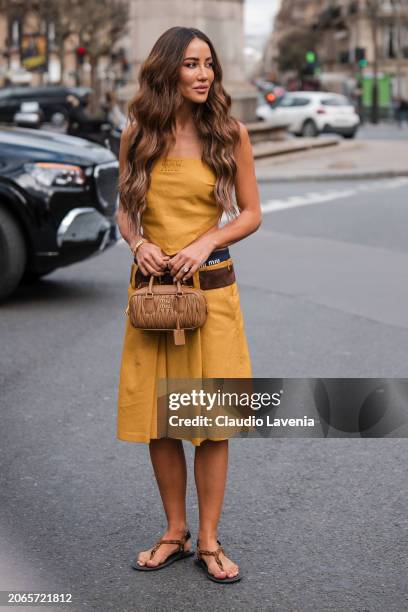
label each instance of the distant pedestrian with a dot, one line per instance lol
(357, 96)
(402, 111)
(113, 113)
(79, 119)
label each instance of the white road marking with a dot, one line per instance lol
(327, 196)
(314, 197)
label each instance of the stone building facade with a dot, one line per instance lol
(343, 28)
(221, 20)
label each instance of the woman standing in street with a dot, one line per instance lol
(181, 156)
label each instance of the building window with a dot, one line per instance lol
(390, 51)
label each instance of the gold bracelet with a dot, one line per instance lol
(137, 245)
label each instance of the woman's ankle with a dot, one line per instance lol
(207, 537)
(177, 528)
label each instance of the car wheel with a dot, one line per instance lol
(58, 118)
(309, 129)
(350, 134)
(13, 253)
(30, 277)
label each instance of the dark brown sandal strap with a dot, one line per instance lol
(213, 553)
(180, 542)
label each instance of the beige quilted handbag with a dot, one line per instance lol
(174, 307)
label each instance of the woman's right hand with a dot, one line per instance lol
(151, 259)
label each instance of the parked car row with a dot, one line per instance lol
(58, 200)
(51, 100)
(61, 107)
(310, 113)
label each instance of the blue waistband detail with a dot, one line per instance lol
(216, 257)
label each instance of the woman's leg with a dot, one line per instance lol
(210, 471)
(169, 465)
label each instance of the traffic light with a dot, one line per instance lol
(311, 63)
(310, 57)
(360, 55)
(80, 53)
(270, 97)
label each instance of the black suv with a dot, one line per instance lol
(58, 200)
(51, 99)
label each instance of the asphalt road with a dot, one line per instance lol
(386, 130)
(315, 524)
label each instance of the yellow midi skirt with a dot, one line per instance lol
(218, 349)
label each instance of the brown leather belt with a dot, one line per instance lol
(209, 279)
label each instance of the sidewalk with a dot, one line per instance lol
(355, 159)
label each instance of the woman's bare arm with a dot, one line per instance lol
(121, 216)
(149, 256)
(247, 195)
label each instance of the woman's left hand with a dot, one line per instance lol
(192, 256)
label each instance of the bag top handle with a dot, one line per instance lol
(149, 289)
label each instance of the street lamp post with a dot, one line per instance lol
(373, 9)
(397, 10)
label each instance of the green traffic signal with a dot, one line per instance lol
(310, 57)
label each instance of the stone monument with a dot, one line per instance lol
(221, 20)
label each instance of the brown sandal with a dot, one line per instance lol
(216, 554)
(176, 556)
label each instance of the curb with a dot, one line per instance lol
(268, 150)
(263, 177)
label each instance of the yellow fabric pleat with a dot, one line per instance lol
(219, 348)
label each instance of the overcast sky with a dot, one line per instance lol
(258, 16)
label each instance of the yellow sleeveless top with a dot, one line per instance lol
(180, 203)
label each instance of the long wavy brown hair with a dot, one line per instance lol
(152, 124)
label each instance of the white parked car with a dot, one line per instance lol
(309, 113)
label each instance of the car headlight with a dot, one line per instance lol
(54, 174)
